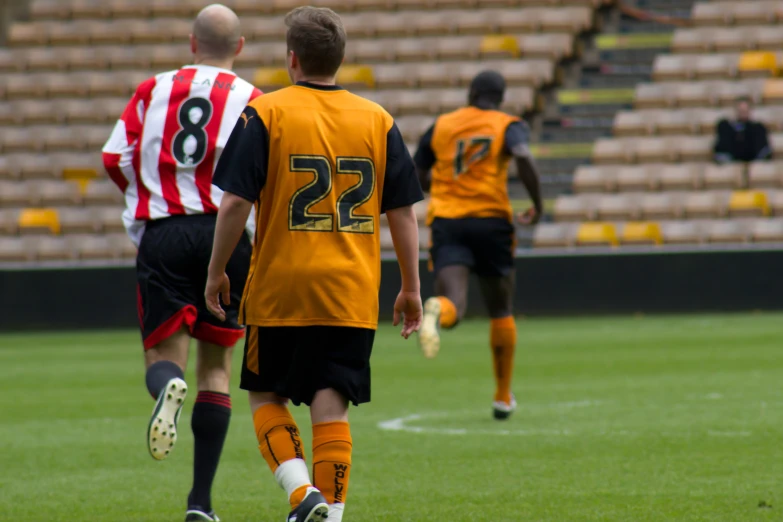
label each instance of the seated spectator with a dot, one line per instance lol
(741, 139)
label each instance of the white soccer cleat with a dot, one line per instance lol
(429, 334)
(162, 430)
(503, 410)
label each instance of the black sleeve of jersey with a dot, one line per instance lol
(425, 157)
(401, 186)
(243, 164)
(517, 133)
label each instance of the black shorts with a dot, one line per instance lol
(296, 361)
(485, 245)
(171, 271)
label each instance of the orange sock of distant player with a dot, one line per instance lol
(448, 313)
(332, 446)
(282, 448)
(503, 341)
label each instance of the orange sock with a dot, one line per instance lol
(503, 340)
(282, 448)
(332, 460)
(448, 313)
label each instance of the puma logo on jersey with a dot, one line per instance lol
(246, 119)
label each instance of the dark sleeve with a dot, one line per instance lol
(401, 185)
(425, 157)
(517, 133)
(242, 167)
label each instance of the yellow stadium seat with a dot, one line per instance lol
(37, 220)
(641, 233)
(758, 64)
(748, 203)
(773, 91)
(499, 46)
(271, 77)
(596, 234)
(353, 75)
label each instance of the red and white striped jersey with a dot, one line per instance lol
(165, 146)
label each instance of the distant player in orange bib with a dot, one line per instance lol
(463, 161)
(321, 165)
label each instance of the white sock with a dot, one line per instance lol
(336, 513)
(292, 475)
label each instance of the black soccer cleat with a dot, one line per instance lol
(312, 509)
(196, 514)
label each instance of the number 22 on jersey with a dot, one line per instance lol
(301, 218)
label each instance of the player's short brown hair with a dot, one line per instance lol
(317, 36)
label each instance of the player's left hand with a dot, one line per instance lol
(529, 217)
(218, 287)
(409, 310)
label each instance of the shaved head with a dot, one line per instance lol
(217, 32)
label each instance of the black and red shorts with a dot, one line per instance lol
(171, 271)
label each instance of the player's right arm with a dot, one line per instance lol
(400, 191)
(241, 174)
(425, 159)
(118, 151)
(517, 144)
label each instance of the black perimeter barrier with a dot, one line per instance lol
(547, 284)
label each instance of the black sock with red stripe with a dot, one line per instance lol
(209, 422)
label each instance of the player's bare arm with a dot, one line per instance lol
(405, 236)
(230, 226)
(528, 175)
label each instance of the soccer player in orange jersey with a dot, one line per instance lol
(321, 165)
(463, 161)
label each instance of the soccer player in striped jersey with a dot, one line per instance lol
(162, 155)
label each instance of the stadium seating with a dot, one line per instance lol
(67, 73)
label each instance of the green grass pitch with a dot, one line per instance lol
(620, 419)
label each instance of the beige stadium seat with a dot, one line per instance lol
(765, 174)
(652, 95)
(617, 207)
(591, 179)
(573, 208)
(682, 177)
(700, 205)
(728, 231)
(673, 67)
(690, 41)
(9, 222)
(91, 247)
(16, 194)
(596, 234)
(753, 13)
(639, 178)
(655, 150)
(609, 151)
(694, 148)
(58, 193)
(775, 200)
(767, 231)
(102, 192)
(749, 203)
(694, 94)
(726, 177)
(554, 235)
(78, 221)
(12, 249)
(682, 232)
(48, 248)
(673, 122)
(715, 66)
(711, 14)
(661, 206)
(632, 123)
